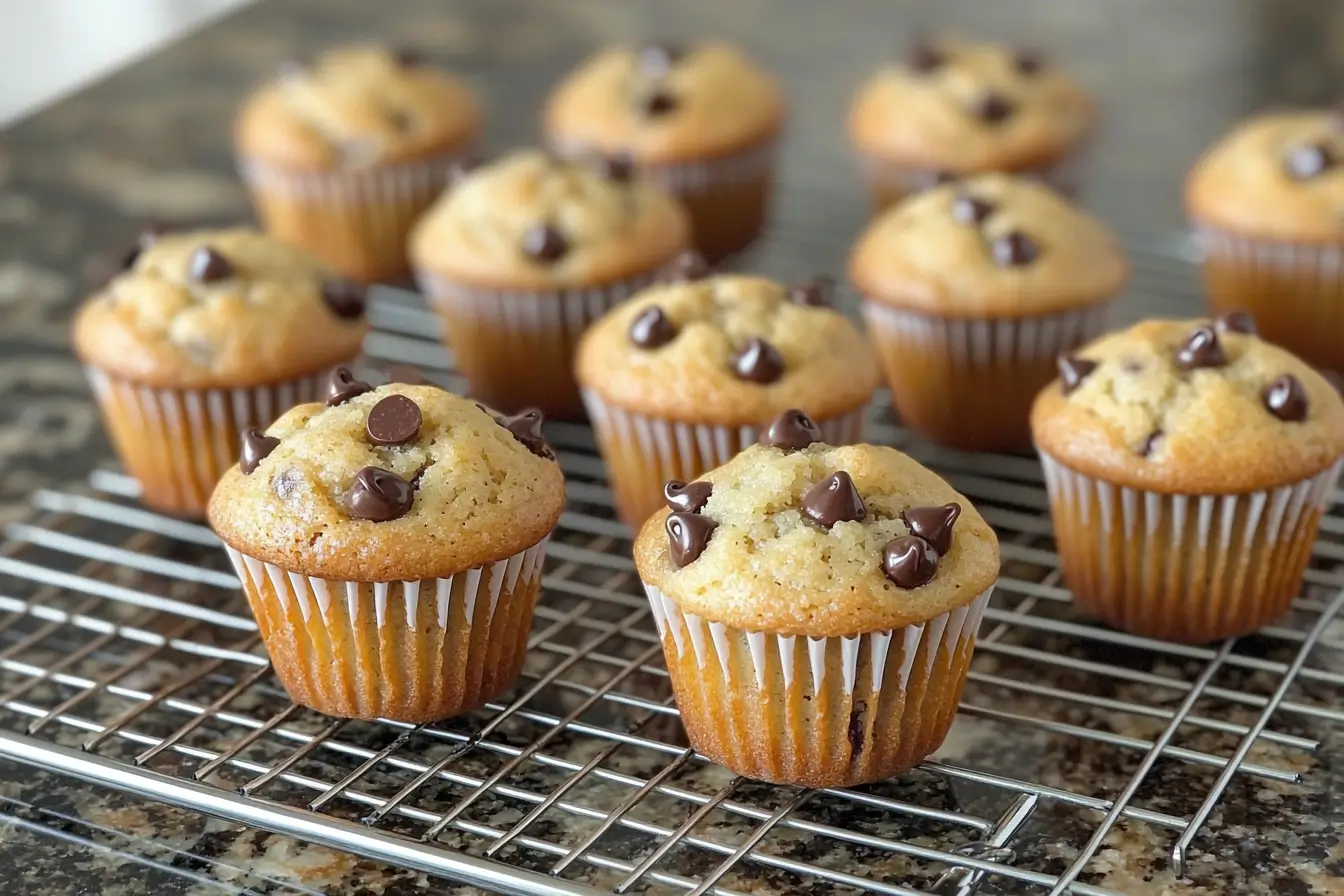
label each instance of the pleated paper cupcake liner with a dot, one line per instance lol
(1188, 568)
(179, 442)
(970, 383)
(1294, 291)
(643, 452)
(821, 712)
(406, 651)
(889, 183)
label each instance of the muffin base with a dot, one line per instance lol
(970, 383)
(405, 651)
(1186, 568)
(889, 183)
(1294, 292)
(642, 452)
(728, 198)
(818, 712)
(179, 443)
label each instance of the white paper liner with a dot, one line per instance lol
(1325, 263)
(1064, 174)
(391, 182)
(980, 342)
(561, 314)
(699, 176)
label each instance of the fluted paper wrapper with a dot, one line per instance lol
(889, 183)
(820, 712)
(406, 651)
(1188, 568)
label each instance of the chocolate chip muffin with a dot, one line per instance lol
(684, 376)
(525, 252)
(202, 335)
(970, 292)
(1188, 463)
(391, 541)
(701, 120)
(954, 108)
(1265, 204)
(818, 607)
(342, 152)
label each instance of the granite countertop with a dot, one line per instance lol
(80, 179)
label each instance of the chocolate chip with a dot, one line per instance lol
(146, 239)
(933, 524)
(526, 428)
(544, 243)
(792, 430)
(652, 328)
(834, 500)
(992, 108)
(1235, 322)
(1073, 370)
(1308, 161)
(400, 120)
(819, 292)
(686, 497)
(379, 495)
(619, 167)
(1028, 62)
(345, 297)
(1014, 249)
(658, 101)
(689, 265)
(971, 210)
(256, 447)
(405, 373)
(407, 57)
(855, 732)
(394, 420)
(1286, 398)
(1201, 349)
(759, 362)
(909, 561)
(343, 386)
(925, 57)
(1145, 448)
(657, 60)
(207, 266)
(687, 536)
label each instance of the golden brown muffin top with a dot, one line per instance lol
(960, 106)
(355, 107)
(727, 350)
(220, 308)
(1190, 407)
(989, 245)
(452, 488)
(666, 104)
(819, 541)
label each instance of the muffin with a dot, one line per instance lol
(203, 335)
(683, 377)
(701, 120)
(343, 152)
(818, 607)
(390, 542)
(970, 292)
(955, 108)
(1264, 203)
(1188, 464)
(524, 253)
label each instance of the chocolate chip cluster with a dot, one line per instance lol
(1011, 250)
(989, 106)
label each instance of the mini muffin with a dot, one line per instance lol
(1265, 205)
(701, 120)
(970, 292)
(680, 379)
(391, 544)
(202, 336)
(343, 152)
(954, 108)
(525, 253)
(1188, 464)
(818, 607)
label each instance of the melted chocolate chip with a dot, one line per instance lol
(1235, 322)
(526, 428)
(1014, 249)
(378, 496)
(657, 60)
(792, 430)
(652, 328)
(685, 497)
(208, 266)
(619, 167)
(689, 265)
(855, 732)
(819, 292)
(687, 536)
(971, 210)
(1286, 398)
(343, 386)
(1201, 349)
(544, 243)
(658, 101)
(759, 362)
(256, 447)
(1308, 161)
(1028, 62)
(345, 297)
(394, 420)
(1073, 370)
(924, 57)
(405, 373)
(933, 524)
(992, 108)
(1145, 448)
(909, 562)
(833, 500)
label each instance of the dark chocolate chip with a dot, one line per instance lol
(345, 297)
(544, 243)
(819, 292)
(1308, 161)
(408, 374)
(658, 101)
(526, 428)
(379, 495)
(400, 120)
(909, 561)
(933, 524)
(652, 328)
(687, 536)
(256, 447)
(208, 266)
(1235, 322)
(925, 57)
(792, 430)
(855, 732)
(759, 362)
(689, 265)
(1145, 448)
(1286, 398)
(833, 500)
(971, 210)
(394, 420)
(1073, 370)
(1014, 249)
(1201, 349)
(992, 108)
(686, 497)
(343, 386)
(407, 57)
(619, 167)
(1028, 62)
(657, 60)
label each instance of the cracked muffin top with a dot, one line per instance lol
(219, 308)
(1190, 407)
(397, 482)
